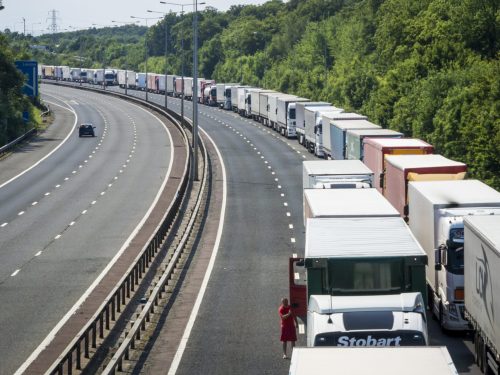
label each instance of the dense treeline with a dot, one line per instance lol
(12, 102)
(428, 68)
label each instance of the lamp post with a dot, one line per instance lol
(166, 56)
(195, 81)
(126, 65)
(146, 46)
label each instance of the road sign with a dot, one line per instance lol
(30, 70)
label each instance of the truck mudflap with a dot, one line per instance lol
(298, 286)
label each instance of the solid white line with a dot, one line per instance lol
(187, 332)
(77, 305)
(15, 272)
(54, 150)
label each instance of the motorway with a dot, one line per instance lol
(237, 326)
(65, 219)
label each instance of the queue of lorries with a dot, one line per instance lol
(391, 229)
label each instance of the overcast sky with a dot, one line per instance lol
(82, 14)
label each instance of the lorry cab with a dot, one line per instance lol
(291, 121)
(383, 320)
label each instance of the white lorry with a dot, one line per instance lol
(170, 85)
(313, 127)
(286, 123)
(126, 78)
(360, 321)
(242, 95)
(429, 360)
(264, 106)
(436, 212)
(347, 202)
(327, 174)
(236, 90)
(188, 88)
(255, 98)
(482, 283)
(300, 124)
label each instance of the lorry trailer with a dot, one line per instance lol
(338, 130)
(482, 283)
(328, 203)
(325, 129)
(356, 137)
(436, 212)
(434, 360)
(403, 168)
(264, 105)
(313, 127)
(375, 149)
(300, 124)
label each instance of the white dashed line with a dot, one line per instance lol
(57, 237)
(4, 225)
(58, 186)
(290, 226)
(39, 253)
(15, 273)
(47, 193)
(93, 202)
(84, 212)
(292, 240)
(34, 203)
(285, 204)
(288, 214)
(20, 213)
(72, 223)
(279, 186)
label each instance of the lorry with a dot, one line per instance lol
(367, 321)
(327, 174)
(375, 149)
(161, 83)
(188, 88)
(170, 84)
(141, 81)
(300, 124)
(356, 256)
(254, 103)
(436, 212)
(62, 73)
(313, 127)
(241, 102)
(75, 74)
(400, 169)
(236, 91)
(482, 283)
(224, 94)
(110, 77)
(435, 360)
(286, 110)
(178, 90)
(264, 96)
(338, 135)
(356, 137)
(98, 77)
(272, 109)
(126, 78)
(325, 128)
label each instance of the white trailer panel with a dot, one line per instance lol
(379, 360)
(482, 276)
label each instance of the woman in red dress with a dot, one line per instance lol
(288, 324)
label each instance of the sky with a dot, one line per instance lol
(71, 14)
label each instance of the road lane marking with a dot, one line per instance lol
(292, 240)
(20, 213)
(39, 253)
(15, 272)
(4, 225)
(57, 237)
(288, 214)
(34, 203)
(55, 149)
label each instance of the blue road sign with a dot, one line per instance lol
(30, 70)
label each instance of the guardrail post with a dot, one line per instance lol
(107, 317)
(86, 345)
(119, 299)
(128, 285)
(78, 356)
(113, 308)
(101, 325)
(94, 335)
(70, 363)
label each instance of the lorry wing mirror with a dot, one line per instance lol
(382, 177)
(437, 257)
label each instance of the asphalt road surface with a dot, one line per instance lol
(237, 328)
(63, 220)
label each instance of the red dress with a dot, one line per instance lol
(288, 332)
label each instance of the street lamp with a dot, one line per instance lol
(166, 56)
(126, 65)
(146, 46)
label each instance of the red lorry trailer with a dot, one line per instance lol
(375, 149)
(399, 169)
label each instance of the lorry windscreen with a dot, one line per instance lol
(455, 261)
(370, 338)
(358, 277)
(291, 113)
